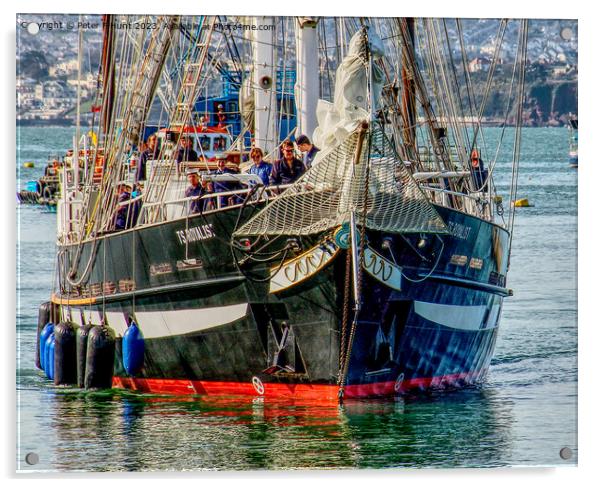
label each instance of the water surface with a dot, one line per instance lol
(523, 414)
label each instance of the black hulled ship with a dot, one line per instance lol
(381, 270)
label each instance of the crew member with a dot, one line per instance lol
(196, 189)
(221, 116)
(186, 152)
(260, 167)
(308, 150)
(222, 186)
(478, 172)
(124, 194)
(288, 169)
(151, 153)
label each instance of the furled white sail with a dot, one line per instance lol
(337, 120)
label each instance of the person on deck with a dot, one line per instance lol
(124, 194)
(197, 189)
(288, 169)
(222, 186)
(221, 116)
(151, 153)
(260, 167)
(136, 205)
(308, 150)
(478, 172)
(186, 152)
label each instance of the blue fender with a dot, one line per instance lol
(49, 362)
(133, 350)
(44, 334)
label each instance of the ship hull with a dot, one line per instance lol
(211, 329)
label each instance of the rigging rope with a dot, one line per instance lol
(524, 30)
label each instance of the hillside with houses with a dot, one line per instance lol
(47, 68)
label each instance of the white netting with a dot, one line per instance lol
(324, 197)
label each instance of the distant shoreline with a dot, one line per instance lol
(69, 123)
(55, 122)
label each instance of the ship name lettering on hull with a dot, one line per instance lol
(195, 234)
(458, 230)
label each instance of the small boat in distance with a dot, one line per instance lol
(45, 189)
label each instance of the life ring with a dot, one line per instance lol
(258, 385)
(398, 382)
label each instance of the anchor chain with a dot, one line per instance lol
(344, 323)
(349, 344)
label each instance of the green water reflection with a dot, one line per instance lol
(131, 432)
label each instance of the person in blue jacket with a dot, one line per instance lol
(260, 167)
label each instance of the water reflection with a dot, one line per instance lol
(526, 413)
(464, 428)
(117, 430)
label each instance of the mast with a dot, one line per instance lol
(264, 74)
(75, 160)
(408, 94)
(307, 87)
(342, 43)
(108, 72)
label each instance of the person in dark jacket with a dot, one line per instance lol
(186, 152)
(223, 186)
(149, 154)
(308, 150)
(478, 171)
(124, 194)
(195, 189)
(288, 169)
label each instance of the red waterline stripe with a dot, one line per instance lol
(302, 391)
(214, 388)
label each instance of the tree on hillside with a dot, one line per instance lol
(33, 64)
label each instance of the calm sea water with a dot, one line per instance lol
(523, 414)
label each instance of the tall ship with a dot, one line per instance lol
(377, 269)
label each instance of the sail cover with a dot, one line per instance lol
(371, 182)
(350, 104)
